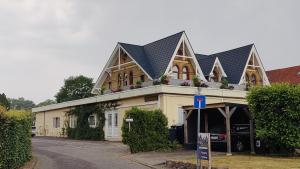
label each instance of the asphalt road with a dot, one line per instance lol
(56, 153)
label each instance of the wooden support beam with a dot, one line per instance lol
(232, 111)
(222, 112)
(228, 134)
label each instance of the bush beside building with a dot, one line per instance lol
(277, 116)
(15, 138)
(148, 131)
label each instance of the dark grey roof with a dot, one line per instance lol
(138, 54)
(206, 63)
(154, 57)
(233, 62)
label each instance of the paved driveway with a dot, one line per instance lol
(56, 153)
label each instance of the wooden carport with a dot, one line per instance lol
(227, 109)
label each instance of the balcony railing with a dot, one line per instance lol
(179, 82)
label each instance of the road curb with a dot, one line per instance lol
(144, 164)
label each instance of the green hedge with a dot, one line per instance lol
(15, 139)
(83, 131)
(148, 131)
(276, 111)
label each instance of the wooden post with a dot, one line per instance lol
(251, 130)
(252, 136)
(206, 122)
(228, 134)
(185, 128)
(186, 116)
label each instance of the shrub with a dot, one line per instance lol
(196, 81)
(15, 138)
(164, 79)
(138, 84)
(82, 130)
(148, 130)
(277, 114)
(225, 85)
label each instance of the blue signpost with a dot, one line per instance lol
(199, 103)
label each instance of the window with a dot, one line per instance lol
(56, 122)
(73, 121)
(253, 79)
(175, 73)
(185, 73)
(109, 120)
(130, 78)
(119, 80)
(116, 120)
(180, 115)
(247, 79)
(109, 85)
(125, 79)
(92, 121)
(143, 78)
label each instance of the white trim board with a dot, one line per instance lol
(217, 62)
(264, 75)
(103, 75)
(196, 64)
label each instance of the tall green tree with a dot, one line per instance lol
(46, 103)
(3, 101)
(75, 87)
(21, 104)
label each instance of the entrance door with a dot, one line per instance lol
(112, 123)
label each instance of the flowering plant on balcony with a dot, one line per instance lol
(117, 90)
(198, 83)
(164, 79)
(185, 83)
(138, 84)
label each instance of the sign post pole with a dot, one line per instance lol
(198, 131)
(199, 103)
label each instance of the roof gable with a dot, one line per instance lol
(234, 62)
(138, 54)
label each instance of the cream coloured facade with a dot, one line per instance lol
(129, 75)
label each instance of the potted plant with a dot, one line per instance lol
(196, 81)
(138, 84)
(225, 85)
(164, 79)
(102, 90)
(132, 87)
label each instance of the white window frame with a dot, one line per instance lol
(56, 122)
(180, 114)
(95, 120)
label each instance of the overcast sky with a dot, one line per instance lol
(42, 42)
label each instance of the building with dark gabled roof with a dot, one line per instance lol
(131, 78)
(285, 75)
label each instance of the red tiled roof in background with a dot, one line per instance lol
(288, 75)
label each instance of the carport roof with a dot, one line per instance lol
(217, 105)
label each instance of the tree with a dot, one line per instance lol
(276, 113)
(21, 104)
(46, 103)
(75, 87)
(3, 101)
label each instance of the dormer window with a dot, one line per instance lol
(175, 72)
(185, 73)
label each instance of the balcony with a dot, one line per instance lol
(178, 82)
